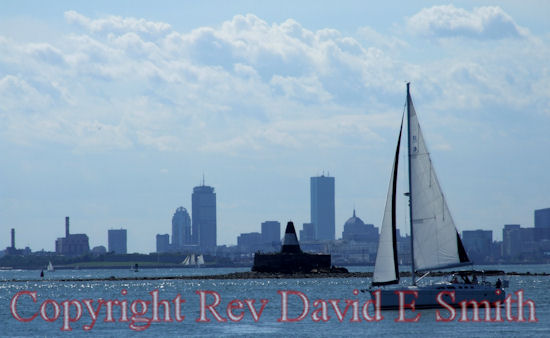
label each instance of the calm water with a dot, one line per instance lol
(535, 288)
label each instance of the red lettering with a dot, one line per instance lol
(284, 306)
(177, 308)
(402, 306)
(44, 314)
(210, 307)
(256, 315)
(13, 305)
(67, 319)
(137, 315)
(376, 303)
(155, 306)
(321, 313)
(235, 304)
(441, 301)
(93, 313)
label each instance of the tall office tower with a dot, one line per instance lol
(117, 241)
(271, 232)
(181, 228)
(322, 207)
(163, 243)
(542, 218)
(204, 217)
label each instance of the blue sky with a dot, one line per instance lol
(112, 111)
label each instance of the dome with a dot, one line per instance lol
(354, 221)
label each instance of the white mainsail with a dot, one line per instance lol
(436, 243)
(200, 260)
(50, 266)
(386, 269)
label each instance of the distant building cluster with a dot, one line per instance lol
(196, 232)
(359, 241)
(72, 244)
(12, 250)
(77, 244)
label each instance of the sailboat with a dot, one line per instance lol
(435, 243)
(189, 260)
(50, 267)
(200, 260)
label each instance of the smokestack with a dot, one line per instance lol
(12, 238)
(290, 241)
(67, 226)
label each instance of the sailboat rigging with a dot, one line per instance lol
(435, 243)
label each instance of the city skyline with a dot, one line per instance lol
(111, 113)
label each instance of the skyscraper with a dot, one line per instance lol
(271, 232)
(163, 243)
(204, 217)
(117, 241)
(542, 218)
(181, 228)
(322, 207)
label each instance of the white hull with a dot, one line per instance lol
(427, 295)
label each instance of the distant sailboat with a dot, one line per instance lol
(50, 267)
(189, 260)
(435, 243)
(200, 261)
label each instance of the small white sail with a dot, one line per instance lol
(186, 261)
(192, 260)
(50, 266)
(436, 242)
(200, 260)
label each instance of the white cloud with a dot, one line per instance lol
(480, 23)
(117, 24)
(16, 94)
(250, 84)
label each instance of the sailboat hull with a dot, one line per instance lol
(426, 297)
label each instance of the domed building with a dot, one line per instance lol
(356, 230)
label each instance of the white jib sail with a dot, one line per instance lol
(385, 268)
(435, 236)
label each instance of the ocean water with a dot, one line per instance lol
(268, 323)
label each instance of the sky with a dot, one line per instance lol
(111, 112)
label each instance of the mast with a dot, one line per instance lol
(410, 185)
